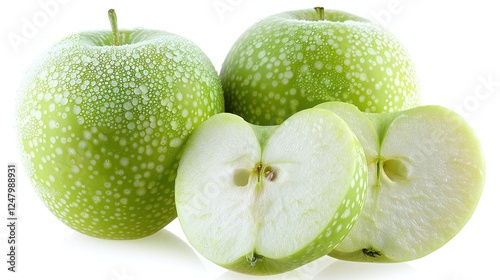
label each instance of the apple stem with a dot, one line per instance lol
(320, 11)
(114, 26)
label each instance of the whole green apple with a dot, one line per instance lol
(268, 199)
(101, 118)
(298, 59)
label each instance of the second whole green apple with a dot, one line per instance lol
(297, 59)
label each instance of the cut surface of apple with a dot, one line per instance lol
(425, 178)
(265, 200)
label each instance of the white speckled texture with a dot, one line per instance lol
(292, 61)
(101, 127)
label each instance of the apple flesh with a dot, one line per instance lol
(295, 60)
(101, 127)
(425, 177)
(265, 200)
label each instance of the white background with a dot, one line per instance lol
(455, 46)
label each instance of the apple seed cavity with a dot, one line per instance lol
(266, 172)
(241, 177)
(395, 170)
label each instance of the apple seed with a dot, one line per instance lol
(269, 173)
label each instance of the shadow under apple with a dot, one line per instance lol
(374, 271)
(328, 268)
(153, 257)
(305, 272)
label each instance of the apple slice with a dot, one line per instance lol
(425, 177)
(265, 200)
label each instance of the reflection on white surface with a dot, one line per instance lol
(153, 257)
(305, 272)
(327, 268)
(373, 271)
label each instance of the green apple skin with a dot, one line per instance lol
(291, 61)
(214, 212)
(101, 126)
(425, 178)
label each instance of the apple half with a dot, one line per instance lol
(425, 177)
(268, 199)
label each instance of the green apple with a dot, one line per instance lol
(425, 177)
(268, 199)
(102, 117)
(298, 59)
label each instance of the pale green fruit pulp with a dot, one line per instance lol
(101, 126)
(425, 177)
(265, 200)
(292, 61)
